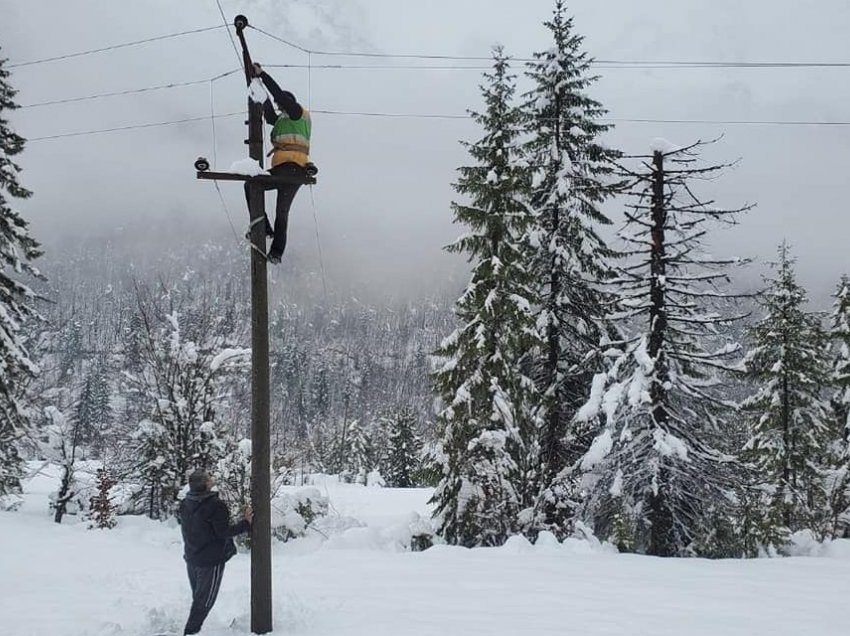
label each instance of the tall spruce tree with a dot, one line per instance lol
(838, 471)
(94, 411)
(486, 445)
(840, 336)
(788, 414)
(17, 250)
(657, 479)
(572, 180)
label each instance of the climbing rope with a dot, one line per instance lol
(215, 161)
(319, 242)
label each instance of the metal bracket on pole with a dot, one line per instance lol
(267, 181)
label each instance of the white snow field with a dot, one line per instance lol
(66, 580)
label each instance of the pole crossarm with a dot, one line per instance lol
(268, 181)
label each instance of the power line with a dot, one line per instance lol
(132, 91)
(113, 47)
(611, 120)
(699, 64)
(114, 94)
(399, 67)
(607, 65)
(229, 34)
(597, 62)
(603, 63)
(283, 41)
(733, 122)
(458, 117)
(133, 127)
(390, 115)
(308, 67)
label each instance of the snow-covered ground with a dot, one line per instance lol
(64, 580)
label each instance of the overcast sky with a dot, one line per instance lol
(384, 193)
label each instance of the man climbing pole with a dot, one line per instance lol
(290, 137)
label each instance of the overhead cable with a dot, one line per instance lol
(104, 49)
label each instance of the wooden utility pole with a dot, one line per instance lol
(261, 548)
(255, 187)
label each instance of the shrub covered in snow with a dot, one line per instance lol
(293, 513)
(180, 385)
(234, 476)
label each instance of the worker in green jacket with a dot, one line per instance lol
(290, 153)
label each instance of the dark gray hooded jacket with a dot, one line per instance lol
(207, 533)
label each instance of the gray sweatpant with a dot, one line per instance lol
(204, 582)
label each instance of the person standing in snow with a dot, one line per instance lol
(207, 543)
(290, 137)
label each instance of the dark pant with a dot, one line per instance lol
(204, 582)
(285, 196)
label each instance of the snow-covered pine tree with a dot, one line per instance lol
(788, 414)
(134, 341)
(94, 411)
(182, 385)
(319, 398)
(17, 250)
(572, 180)
(657, 467)
(486, 431)
(357, 461)
(63, 438)
(838, 473)
(840, 335)
(158, 481)
(71, 356)
(403, 450)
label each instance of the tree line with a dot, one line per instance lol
(623, 385)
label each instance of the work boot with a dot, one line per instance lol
(274, 257)
(269, 233)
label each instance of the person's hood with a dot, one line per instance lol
(195, 499)
(200, 495)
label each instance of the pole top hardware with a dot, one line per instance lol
(240, 22)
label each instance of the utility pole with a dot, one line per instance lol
(261, 548)
(255, 187)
